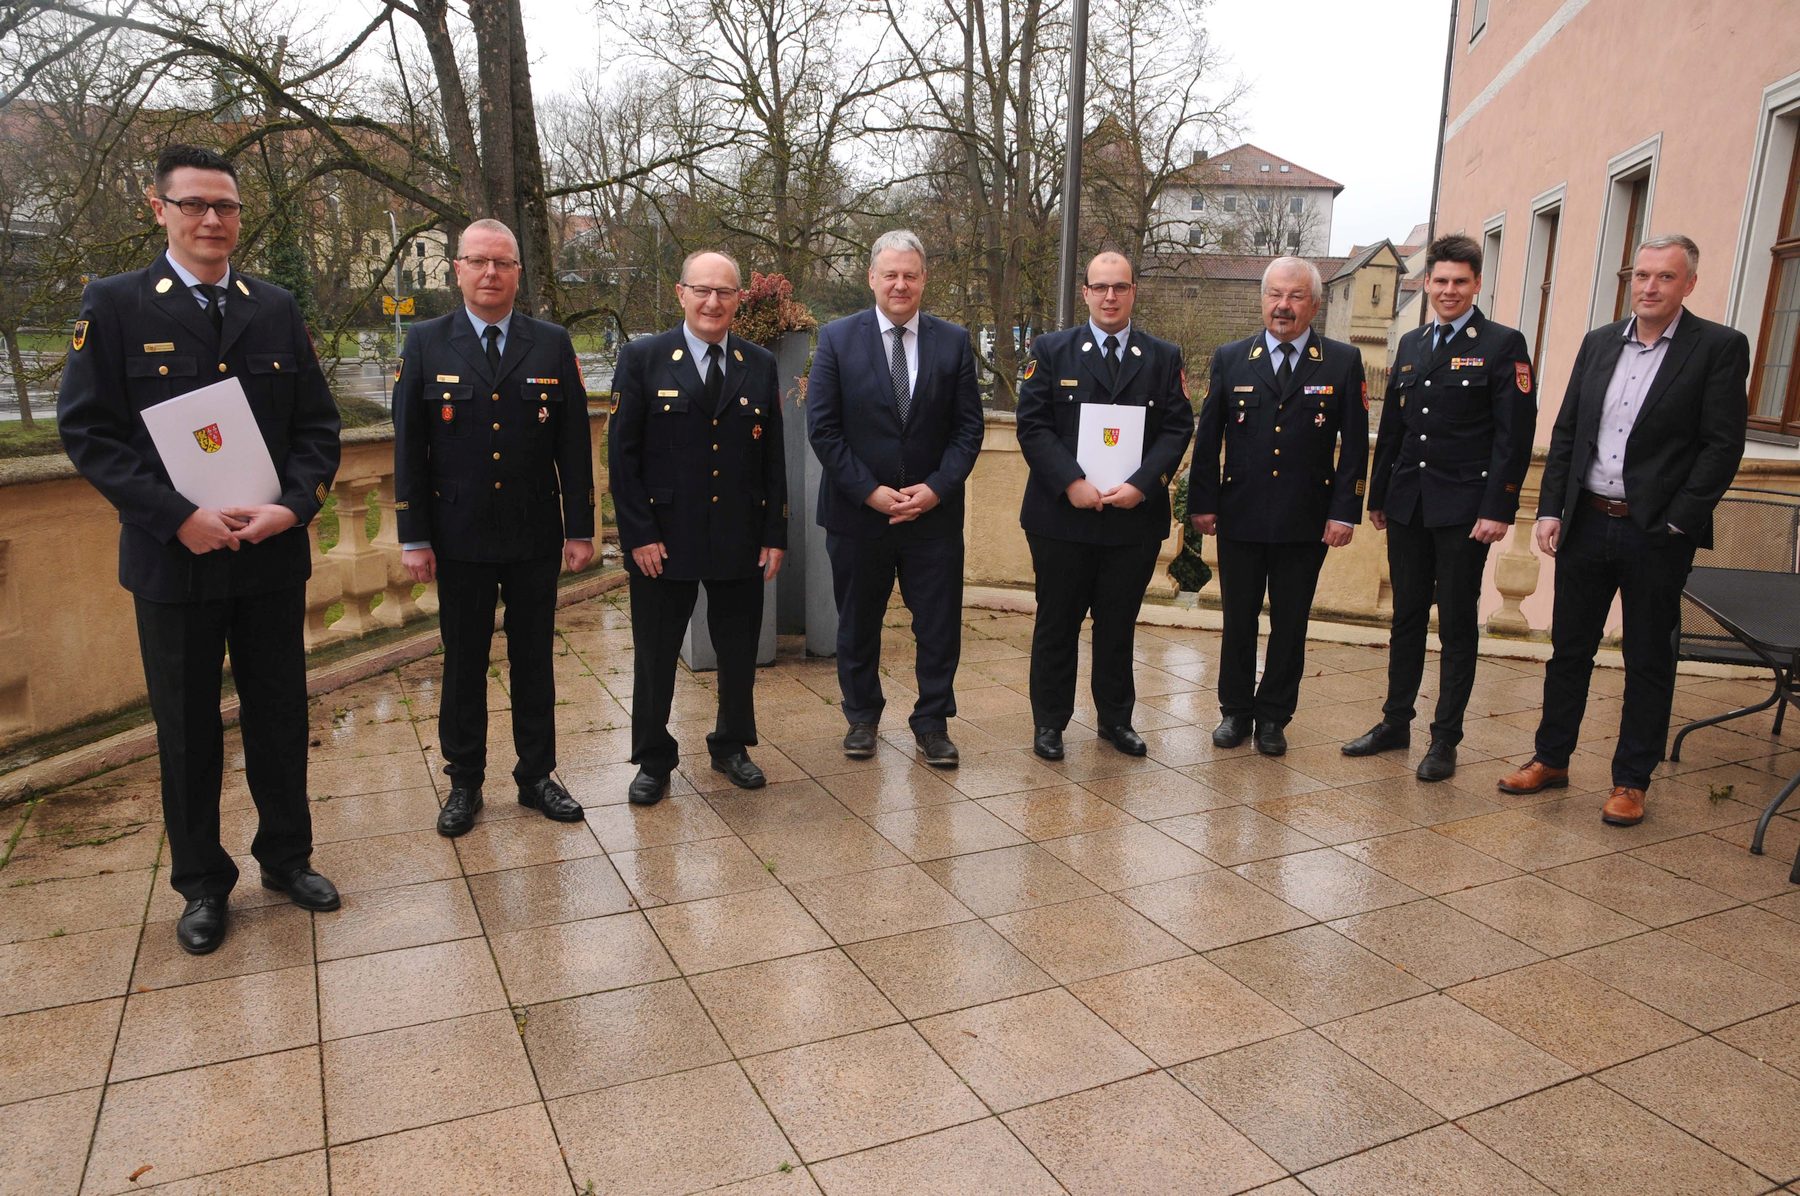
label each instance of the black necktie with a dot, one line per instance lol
(1286, 369)
(1444, 333)
(491, 334)
(713, 385)
(1110, 348)
(897, 371)
(214, 311)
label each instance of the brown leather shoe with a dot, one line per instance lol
(1624, 808)
(1535, 777)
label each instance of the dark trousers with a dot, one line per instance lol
(1073, 579)
(930, 572)
(1288, 574)
(183, 646)
(660, 611)
(1427, 564)
(467, 594)
(1600, 556)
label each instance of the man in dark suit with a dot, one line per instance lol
(1095, 549)
(1649, 436)
(1289, 411)
(1454, 445)
(893, 413)
(699, 484)
(205, 579)
(494, 487)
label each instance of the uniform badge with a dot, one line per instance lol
(241, 287)
(1086, 345)
(1240, 418)
(1360, 487)
(675, 356)
(319, 493)
(1136, 352)
(756, 431)
(1070, 382)
(1256, 352)
(1469, 332)
(743, 400)
(447, 412)
(1319, 420)
(1240, 390)
(543, 414)
(1312, 351)
(397, 367)
(1521, 375)
(1319, 390)
(1030, 369)
(160, 347)
(80, 337)
(163, 286)
(737, 355)
(449, 377)
(1109, 436)
(209, 438)
(1510, 488)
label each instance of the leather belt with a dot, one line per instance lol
(1606, 506)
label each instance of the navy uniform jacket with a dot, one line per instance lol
(855, 428)
(1456, 427)
(143, 338)
(1684, 447)
(1284, 473)
(491, 470)
(711, 485)
(1067, 371)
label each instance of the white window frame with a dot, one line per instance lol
(1532, 295)
(1767, 188)
(1638, 162)
(1493, 232)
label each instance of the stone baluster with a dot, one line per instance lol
(362, 567)
(1516, 577)
(323, 588)
(398, 606)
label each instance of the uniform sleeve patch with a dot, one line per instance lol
(80, 337)
(1030, 368)
(319, 493)
(1511, 487)
(1522, 373)
(1360, 486)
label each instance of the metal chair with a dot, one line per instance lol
(1752, 529)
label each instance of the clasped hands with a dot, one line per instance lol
(903, 505)
(208, 530)
(1085, 496)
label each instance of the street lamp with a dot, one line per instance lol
(399, 277)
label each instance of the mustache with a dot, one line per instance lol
(1283, 313)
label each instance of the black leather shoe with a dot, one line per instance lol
(1382, 737)
(304, 887)
(1232, 730)
(647, 789)
(740, 770)
(202, 925)
(1047, 743)
(1125, 739)
(939, 752)
(459, 811)
(859, 741)
(551, 798)
(1270, 741)
(1439, 763)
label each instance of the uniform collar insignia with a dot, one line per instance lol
(163, 285)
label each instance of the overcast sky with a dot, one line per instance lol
(1349, 90)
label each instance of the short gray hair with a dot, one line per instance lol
(490, 225)
(1288, 263)
(1676, 241)
(900, 240)
(700, 253)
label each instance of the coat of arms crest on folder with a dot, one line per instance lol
(1110, 436)
(209, 438)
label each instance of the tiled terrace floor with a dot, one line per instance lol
(1201, 972)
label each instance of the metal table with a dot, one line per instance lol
(1762, 609)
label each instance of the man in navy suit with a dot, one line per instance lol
(893, 413)
(204, 579)
(1650, 434)
(699, 484)
(494, 486)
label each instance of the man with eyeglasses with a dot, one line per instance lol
(1287, 411)
(208, 580)
(699, 486)
(1091, 549)
(494, 491)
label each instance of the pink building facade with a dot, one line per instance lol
(1576, 128)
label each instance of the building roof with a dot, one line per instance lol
(1362, 256)
(1251, 166)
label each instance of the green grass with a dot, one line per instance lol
(39, 440)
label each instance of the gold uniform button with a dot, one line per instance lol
(715, 498)
(543, 397)
(496, 456)
(223, 367)
(446, 394)
(496, 485)
(665, 407)
(1274, 473)
(715, 448)
(278, 368)
(1278, 427)
(715, 423)
(162, 369)
(496, 427)
(495, 396)
(1278, 452)
(715, 473)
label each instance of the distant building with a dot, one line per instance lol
(1246, 200)
(1360, 299)
(1577, 128)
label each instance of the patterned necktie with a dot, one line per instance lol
(491, 334)
(897, 371)
(714, 382)
(214, 310)
(1110, 349)
(1286, 369)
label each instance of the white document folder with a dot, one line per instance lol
(212, 448)
(1109, 445)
